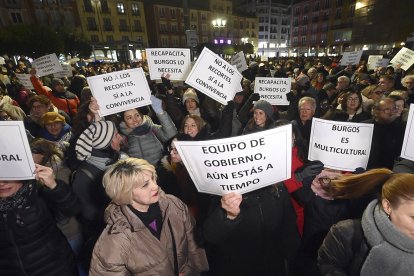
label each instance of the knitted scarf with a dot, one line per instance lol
(392, 252)
(18, 200)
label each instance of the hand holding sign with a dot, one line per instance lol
(231, 204)
(45, 176)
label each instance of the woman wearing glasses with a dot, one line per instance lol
(351, 109)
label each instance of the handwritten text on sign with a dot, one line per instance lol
(239, 61)
(120, 91)
(240, 164)
(408, 144)
(273, 90)
(16, 161)
(351, 57)
(47, 65)
(176, 62)
(215, 77)
(340, 145)
(405, 57)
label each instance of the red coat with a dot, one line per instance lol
(67, 101)
(292, 185)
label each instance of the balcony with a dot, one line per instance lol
(138, 29)
(123, 28)
(108, 28)
(92, 28)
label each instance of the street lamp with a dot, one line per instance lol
(219, 23)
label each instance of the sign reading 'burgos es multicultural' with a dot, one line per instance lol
(119, 91)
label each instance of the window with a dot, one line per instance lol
(125, 38)
(162, 12)
(304, 29)
(107, 24)
(88, 5)
(16, 17)
(338, 3)
(316, 7)
(104, 6)
(120, 7)
(173, 14)
(327, 4)
(338, 13)
(123, 25)
(137, 26)
(305, 19)
(352, 10)
(94, 38)
(110, 38)
(135, 9)
(164, 41)
(303, 39)
(174, 28)
(91, 24)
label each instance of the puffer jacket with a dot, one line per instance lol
(30, 242)
(67, 101)
(127, 247)
(146, 141)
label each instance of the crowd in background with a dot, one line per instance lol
(276, 230)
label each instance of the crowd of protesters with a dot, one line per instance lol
(115, 191)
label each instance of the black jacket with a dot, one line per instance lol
(263, 238)
(30, 242)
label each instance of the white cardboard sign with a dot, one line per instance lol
(119, 91)
(405, 57)
(373, 61)
(173, 61)
(351, 57)
(46, 65)
(408, 144)
(340, 145)
(273, 90)
(66, 72)
(16, 161)
(24, 79)
(239, 61)
(215, 77)
(239, 164)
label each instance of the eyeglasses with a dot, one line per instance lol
(172, 150)
(353, 99)
(5, 117)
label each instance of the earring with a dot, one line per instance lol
(388, 216)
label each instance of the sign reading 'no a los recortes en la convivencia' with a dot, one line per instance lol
(239, 164)
(173, 61)
(16, 161)
(215, 77)
(340, 145)
(119, 91)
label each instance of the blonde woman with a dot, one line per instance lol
(148, 232)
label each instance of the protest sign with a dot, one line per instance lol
(24, 79)
(264, 58)
(239, 164)
(47, 65)
(16, 161)
(215, 77)
(120, 91)
(66, 72)
(173, 61)
(239, 61)
(383, 62)
(273, 90)
(408, 144)
(351, 57)
(405, 57)
(373, 61)
(340, 145)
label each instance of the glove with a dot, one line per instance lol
(359, 170)
(310, 169)
(229, 107)
(156, 104)
(290, 96)
(255, 97)
(167, 83)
